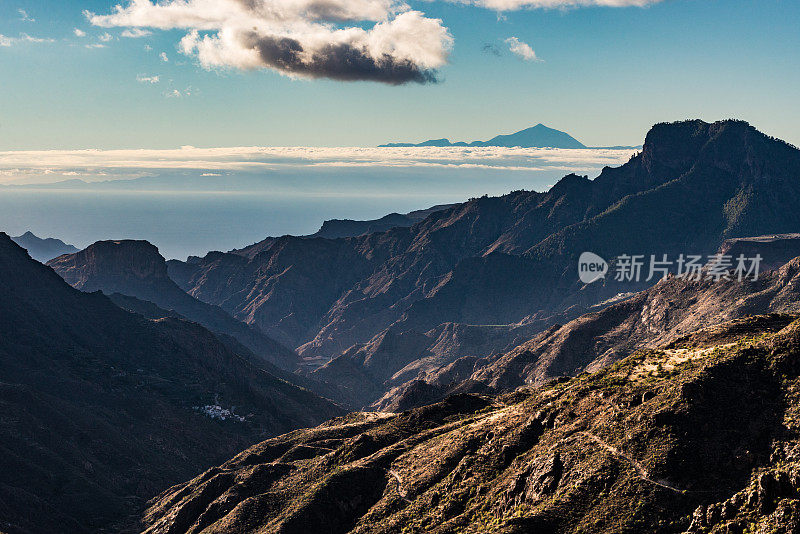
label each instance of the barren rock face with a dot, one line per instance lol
(112, 266)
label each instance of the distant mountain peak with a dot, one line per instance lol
(539, 136)
(43, 249)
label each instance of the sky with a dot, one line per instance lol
(347, 73)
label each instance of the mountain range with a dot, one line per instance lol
(645, 320)
(539, 136)
(336, 228)
(499, 263)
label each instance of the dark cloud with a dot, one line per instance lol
(339, 61)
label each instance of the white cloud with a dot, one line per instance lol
(148, 48)
(521, 49)
(136, 33)
(29, 39)
(79, 33)
(106, 37)
(378, 40)
(95, 45)
(24, 17)
(148, 79)
(23, 38)
(180, 93)
(164, 57)
(217, 160)
(510, 5)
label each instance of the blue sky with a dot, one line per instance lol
(606, 74)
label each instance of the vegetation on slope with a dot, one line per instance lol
(698, 435)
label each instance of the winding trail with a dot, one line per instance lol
(640, 469)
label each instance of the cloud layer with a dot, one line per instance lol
(375, 40)
(47, 166)
(510, 5)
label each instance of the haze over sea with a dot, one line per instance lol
(189, 201)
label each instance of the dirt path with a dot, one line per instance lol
(640, 469)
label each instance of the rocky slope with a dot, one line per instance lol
(137, 269)
(699, 435)
(377, 372)
(101, 408)
(644, 320)
(337, 228)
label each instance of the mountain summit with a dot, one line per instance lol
(539, 136)
(137, 269)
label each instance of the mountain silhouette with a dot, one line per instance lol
(539, 136)
(43, 250)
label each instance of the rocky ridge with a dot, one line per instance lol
(655, 442)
